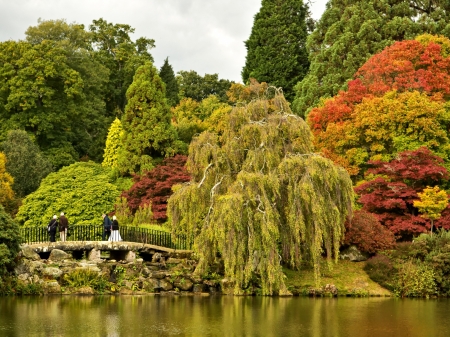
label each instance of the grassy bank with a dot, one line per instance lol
(344, 279)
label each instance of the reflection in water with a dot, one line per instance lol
(222, 316)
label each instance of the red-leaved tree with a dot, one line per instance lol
(367, 233)
(391, 194)
(155, 186)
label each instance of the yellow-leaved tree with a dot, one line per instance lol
(6, 180)
(432, 202)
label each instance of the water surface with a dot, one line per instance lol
(222, 316)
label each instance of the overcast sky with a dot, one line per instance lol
(202, 35)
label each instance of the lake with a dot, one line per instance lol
(222, 316)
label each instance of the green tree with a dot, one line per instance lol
(276, 48)
(9, 242)
(148, 132)
(259, 196)
(168, 77)
(121, 55)
(194, 86)
(113, 143)
(432, 202)
(84, 191)
(26, 163)
(349, 32)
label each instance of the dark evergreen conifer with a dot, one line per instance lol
(168, 77)
(276, 48)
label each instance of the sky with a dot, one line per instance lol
(202, 35)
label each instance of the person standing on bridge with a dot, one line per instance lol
(106, 227)
(115, 234)
(63, 226)
(52, 226)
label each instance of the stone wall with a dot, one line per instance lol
(123, 272)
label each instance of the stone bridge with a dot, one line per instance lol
(120, 250)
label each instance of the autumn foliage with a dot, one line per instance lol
(396, 102)
(366, 232)
(390, 195)
(155, 186)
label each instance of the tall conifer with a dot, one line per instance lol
(168, 77)
(276, 48)
(148, 132)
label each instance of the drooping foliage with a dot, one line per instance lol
(191, 117)
(148, 132)
(350, 32)
(113, 144)
(397, 102)
(259, 196)
(27, 165)
(6, 181)
(192, 85)
(276, 48)
(155, 187)
(168, 77)
(9, 242)
(367, 233)
(83, 191)
(391, 192)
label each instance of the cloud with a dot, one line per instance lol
(205, 36)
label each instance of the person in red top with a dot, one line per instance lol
(63, 225)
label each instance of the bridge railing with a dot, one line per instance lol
(94, 233)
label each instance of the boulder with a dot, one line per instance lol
(52, 272)
(59, 255)
(165, 285)
(130, 256)
(52, 287)
(85, 291)
(172, 260)
(199, 288)
(183, 284)
(30, 254)
(353, 254)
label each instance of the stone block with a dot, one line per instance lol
(184, 284)
(30, 254)
(130, 256)
(59, 255)
(165, 285)
(52, 272)
(94, 255)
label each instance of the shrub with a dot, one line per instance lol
(366, 232)
(9, 242)
(86, 278)
(414, 279)
(381, 270)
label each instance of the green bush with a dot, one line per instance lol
(86, 278)
(83, 191)
(381, 270)
(9, 242)
(414, 279)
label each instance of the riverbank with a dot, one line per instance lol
(346, 278)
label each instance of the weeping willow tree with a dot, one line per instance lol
(260, 197)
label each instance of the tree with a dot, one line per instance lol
(397, 102)
(6, 181)
(259, 193)
(367, 233)
(393, 187)
(350, 32)
(122, 56)
(148, 132)
(276, 48)
(26, 163)
(9, 242)
(155, 187)
(113, 144)
(84, 191)
(431, 203)
(194, 86)
(168, 77)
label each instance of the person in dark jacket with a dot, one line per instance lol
(63, 226)
(115, 234)
(51, 227)
(106, 227)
